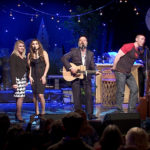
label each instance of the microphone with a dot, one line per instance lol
(82, 47)
(34, 49)
(146, 47)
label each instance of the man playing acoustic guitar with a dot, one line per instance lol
(81, 56)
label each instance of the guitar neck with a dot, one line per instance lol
(88, 72)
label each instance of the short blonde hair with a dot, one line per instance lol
(138, 137)
(15, 51)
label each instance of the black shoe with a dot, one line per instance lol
(19, 120)
(91, 117)
(119, 110)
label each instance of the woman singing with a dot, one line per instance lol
(39, 65)
(18, 70)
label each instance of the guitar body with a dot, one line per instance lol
(68, 76)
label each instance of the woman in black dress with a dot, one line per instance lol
(18, 70)
(39, 65)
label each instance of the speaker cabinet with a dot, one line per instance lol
(124, 121)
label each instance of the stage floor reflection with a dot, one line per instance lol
(53, 107)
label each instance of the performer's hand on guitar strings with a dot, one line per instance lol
(73, 70)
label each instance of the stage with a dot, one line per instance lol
(55, 105)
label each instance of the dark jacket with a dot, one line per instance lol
(18, 67)
(74, 56)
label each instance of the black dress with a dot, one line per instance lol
(37, 71)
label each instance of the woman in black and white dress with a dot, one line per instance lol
(18, 70)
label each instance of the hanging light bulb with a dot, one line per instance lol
(70, 10)
(126, 1)
(58, 21)
(137, 13)
(19, 5)
(79, 19)
(135, 9)
(32, 19)
(10, 14)
(101, 13)
(36, 15)
(120, 1)
(52, 18)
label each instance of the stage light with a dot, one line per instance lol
(57, 14)
(126, 1)
(6, 30)
(58, 21)
(135, 9)
(120, 1)
(52, 18)
(13, 18)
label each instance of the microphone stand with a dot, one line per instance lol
(147, 92)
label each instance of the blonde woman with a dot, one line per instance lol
(38, 62)
(18, 70)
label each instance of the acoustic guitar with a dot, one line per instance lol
(81, 71)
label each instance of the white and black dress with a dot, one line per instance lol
(18, 70)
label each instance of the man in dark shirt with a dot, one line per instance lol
(123, 63)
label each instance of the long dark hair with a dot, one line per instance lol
(40, 50)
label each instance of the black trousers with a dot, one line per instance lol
(76, 88)
(141, 79)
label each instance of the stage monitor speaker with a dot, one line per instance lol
(124, 121)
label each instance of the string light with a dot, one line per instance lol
(57, 14)
(39, 12)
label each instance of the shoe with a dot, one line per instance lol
(119, 110)
(41, 115)
(19, 120)
(91, 117)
